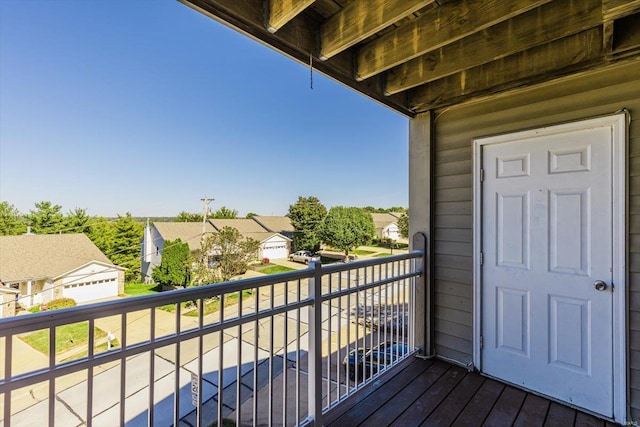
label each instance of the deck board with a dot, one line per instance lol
(436, 393)
(533, 412)
(405, 397)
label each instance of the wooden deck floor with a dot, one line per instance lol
(435, 393)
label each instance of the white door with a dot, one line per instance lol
(546, 240)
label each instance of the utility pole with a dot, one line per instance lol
(205, 212)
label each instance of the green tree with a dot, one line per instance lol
(102, 233)
(306, 215)
(77, 221)
(231, 253)
(188, 217)
(347, 228)
(403, 225)
(224, 213)
(251, 215)
(47, 218)
(127, 242)
(11, 222)
(174, 265)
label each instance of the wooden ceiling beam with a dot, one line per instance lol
(361, 19)
(534, 64)
(283, 11)
(448, 23)
(547, 23)
(612, 9)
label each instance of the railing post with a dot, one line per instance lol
(423, 298)
(315, 345)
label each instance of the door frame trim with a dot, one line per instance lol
(617, 122)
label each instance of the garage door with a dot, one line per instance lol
(89, 291)
(275, 251)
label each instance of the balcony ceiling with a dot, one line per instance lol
(417, 55)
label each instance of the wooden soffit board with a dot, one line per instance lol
(417, 55)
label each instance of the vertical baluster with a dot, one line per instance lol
(255, 358)
(315, 348)
(8, 355)
(239, 364)
(200, 355)
(285, 358)
(152, 366)
(52, 381)
(123, 367)
(271, 320)
(90, 353)
(176, 385)
(220, 360)
(298, 338)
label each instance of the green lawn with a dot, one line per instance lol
(381, 255)
(67, 337)
(275, 269)
(362, 252)
(138, 289)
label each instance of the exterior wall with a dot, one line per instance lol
(151, 253)
(7, 303)
(587, 95)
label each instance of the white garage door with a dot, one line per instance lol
(275, 251)
(88, 291)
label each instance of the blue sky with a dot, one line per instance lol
(146, 106)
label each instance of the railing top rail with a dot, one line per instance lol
(33, 322)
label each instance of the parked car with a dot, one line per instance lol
(369, 362)
(304, 257)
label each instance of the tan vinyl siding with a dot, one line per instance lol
(588, 95)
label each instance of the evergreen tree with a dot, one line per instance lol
(102, 233)
(47, 218)
(77, 221)
(127, 243)
(347, 228)
(11, 222)
(306, 215)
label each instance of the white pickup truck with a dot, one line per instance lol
(304, 257)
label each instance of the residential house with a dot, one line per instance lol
(278, 224)
(524, 173)
(273, 245)
(386, 226)
(157, 233)
(45, 267)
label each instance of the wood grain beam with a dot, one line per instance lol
(612, 9)
(296, 40)
(361, 19)
(547, 23)
(283, 11)
(446, 24)
(537, 63)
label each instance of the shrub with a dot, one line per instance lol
(58, 304)
(265, 260)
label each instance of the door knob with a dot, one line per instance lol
(600, 285)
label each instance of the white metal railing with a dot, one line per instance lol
(280, 350)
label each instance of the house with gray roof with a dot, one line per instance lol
(273, 244)
(386, 225)
(156, 234)
(44, 267)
